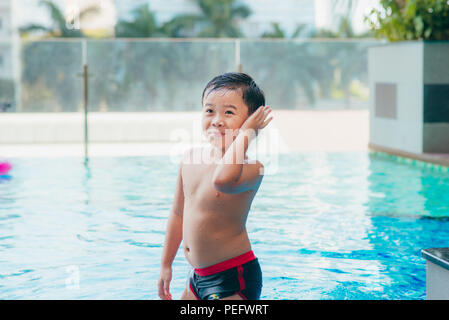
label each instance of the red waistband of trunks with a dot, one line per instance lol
(225, 265)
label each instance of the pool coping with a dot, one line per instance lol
(439, 256)
(440, 159)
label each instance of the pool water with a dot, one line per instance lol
(326, 226)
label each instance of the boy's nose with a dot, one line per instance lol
(217, 122)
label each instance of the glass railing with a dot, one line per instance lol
(50, 76)
(310, 74)
(154, 75)
(170, 74)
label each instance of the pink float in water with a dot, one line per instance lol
(4, 168)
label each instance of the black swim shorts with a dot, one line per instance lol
(240, 275)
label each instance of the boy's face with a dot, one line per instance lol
(224, 112)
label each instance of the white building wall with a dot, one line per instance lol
(288, 13)
(9, 50)
(327, 15)
(6, 39)
(400, 64)
(5, 16)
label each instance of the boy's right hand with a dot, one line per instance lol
(256, 121)
(164, 283)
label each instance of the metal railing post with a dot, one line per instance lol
(85, 97)
(238, 65)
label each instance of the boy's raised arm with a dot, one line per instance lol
(232, 175)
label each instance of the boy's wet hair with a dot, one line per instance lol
(253, 96)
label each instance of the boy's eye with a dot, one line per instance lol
(207, 111)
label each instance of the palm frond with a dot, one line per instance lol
(142, 25)
(299, 29)
(34, 27)
(181, 24)
(55, 13)
(276, 32)
(241, 11)
(89, 10)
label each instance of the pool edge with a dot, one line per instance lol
(427, 160)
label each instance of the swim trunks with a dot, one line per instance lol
(241, 275)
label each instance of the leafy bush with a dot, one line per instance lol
(411, 20)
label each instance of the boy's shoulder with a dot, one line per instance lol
(198, 153)
(190, 153)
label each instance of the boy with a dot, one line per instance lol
(213, 196)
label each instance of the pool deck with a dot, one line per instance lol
(144, 134)
(435, 158)
(169, 133)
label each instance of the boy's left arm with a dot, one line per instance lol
(232, 175)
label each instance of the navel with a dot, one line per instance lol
(217, 194)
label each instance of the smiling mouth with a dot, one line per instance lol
(216, 134)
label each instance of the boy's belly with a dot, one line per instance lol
(204, 245)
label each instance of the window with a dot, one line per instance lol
(386, 100)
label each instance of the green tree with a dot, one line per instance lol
(401, 20)
(60, 26)
(278, 32)
(142, 25)
(180, 26)
(218, 18)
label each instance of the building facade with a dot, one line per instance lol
(8, 55)
(6, 39)
(328, 13)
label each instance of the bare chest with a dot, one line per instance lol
(197, 180)
(200, 193)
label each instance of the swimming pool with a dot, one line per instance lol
(327, 226)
